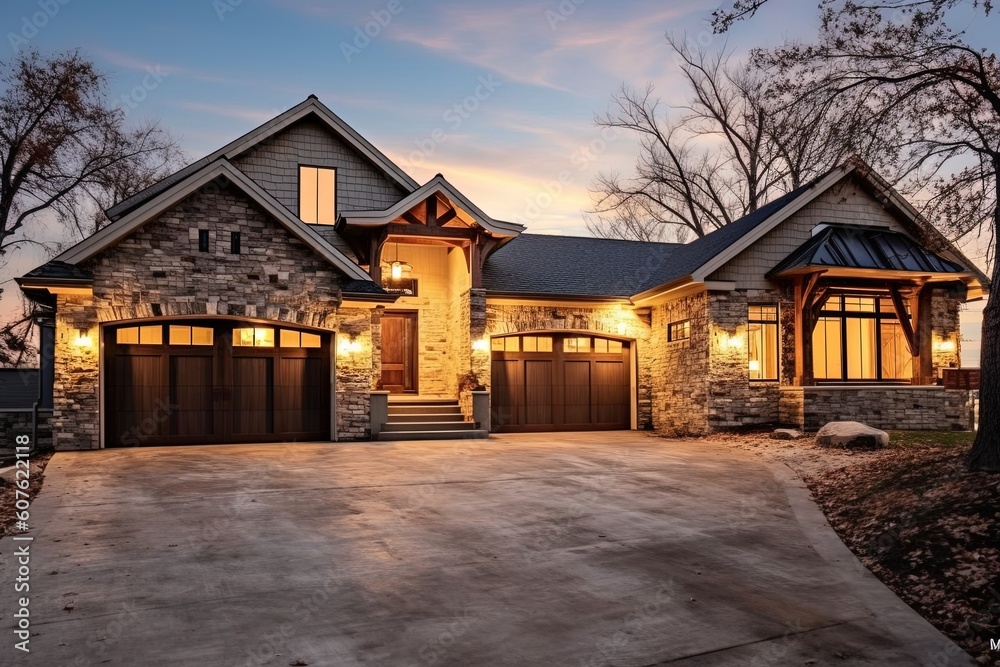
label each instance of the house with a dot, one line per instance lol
(296, 284)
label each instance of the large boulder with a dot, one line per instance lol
(851, 435)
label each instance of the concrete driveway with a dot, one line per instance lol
(552, 549)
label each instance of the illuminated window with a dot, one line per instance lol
(151, 335)
(253, 337)
(511, 344)
(537, 343)
(147, 335)
(678, 331)
(762, 329)
(317, 195)
(127, 336)
(860, 338)
(289, 338)
(183, 335)
(497, 344)
(576, 345)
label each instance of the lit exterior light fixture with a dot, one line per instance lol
(398, 269)
(82, 338)
(347, 346)
(735, 342)
(945, 346)
(754, 366)
(481, 344)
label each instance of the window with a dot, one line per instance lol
(182, 335)
(317, 195)
(678, 331)
(605, 346)
(860, 338)
(234, 243)
(253, 337)
(537, 343)
(576, 345)
(762, 327)
(202, 240)
(289, 338)
(148, 335)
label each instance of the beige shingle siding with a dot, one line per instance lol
(844, 203)
(274, 164)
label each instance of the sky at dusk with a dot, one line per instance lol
(499, 97)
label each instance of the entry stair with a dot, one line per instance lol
(427, 419)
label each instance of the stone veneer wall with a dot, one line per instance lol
(158, 272)
(679, 370)
(945, 321)
(504, 319)
(901, 408)
(18, 422)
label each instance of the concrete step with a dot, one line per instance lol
(397, 427)
(425, 417)
(433, 435)
(397, 409)
(413, 400)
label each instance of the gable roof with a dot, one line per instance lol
(311, 106)
(854, 247)
(178, 191)
(574, 266)
(437, 185)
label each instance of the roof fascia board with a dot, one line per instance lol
(129, 223)
(348, 133)
(518, 298)
(437, 185)
(711, 266)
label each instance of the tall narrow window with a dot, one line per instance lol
(317, 195)
(763, 340)
(234, 243)
(202, 240)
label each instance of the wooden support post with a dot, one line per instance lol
(432, 211)
(803, 331)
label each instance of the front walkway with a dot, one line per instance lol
(549, 549)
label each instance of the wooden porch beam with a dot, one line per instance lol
(432, 211)
(904, 321)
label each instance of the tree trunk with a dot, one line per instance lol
(985, 454)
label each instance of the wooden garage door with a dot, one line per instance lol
(215, 382)
(560, 382)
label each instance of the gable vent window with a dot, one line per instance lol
(202, 240)
(234, 243)
(317, 195)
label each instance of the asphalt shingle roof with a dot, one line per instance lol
(574, 265)
(59, 271)
(585, 266)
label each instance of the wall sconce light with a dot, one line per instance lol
(945, 345)
(481, 344)
(82, 338)
(347, 345)
(622, 328)
(735, 342)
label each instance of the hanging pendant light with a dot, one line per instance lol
(398, 269)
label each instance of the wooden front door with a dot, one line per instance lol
(399, 352)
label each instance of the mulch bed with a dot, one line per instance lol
(930, 531)
(8, 492)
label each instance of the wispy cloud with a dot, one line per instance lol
(255, 116)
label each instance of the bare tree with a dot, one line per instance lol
(722, 154)
(65, 151)
(911, 75)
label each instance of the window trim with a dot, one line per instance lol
(841, 314)
(675, 323)
(336, 192)
(777, 334)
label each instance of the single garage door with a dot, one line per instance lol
(215, 382)
(560, 382)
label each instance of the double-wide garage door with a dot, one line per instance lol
(560, 382)
(215, 382)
